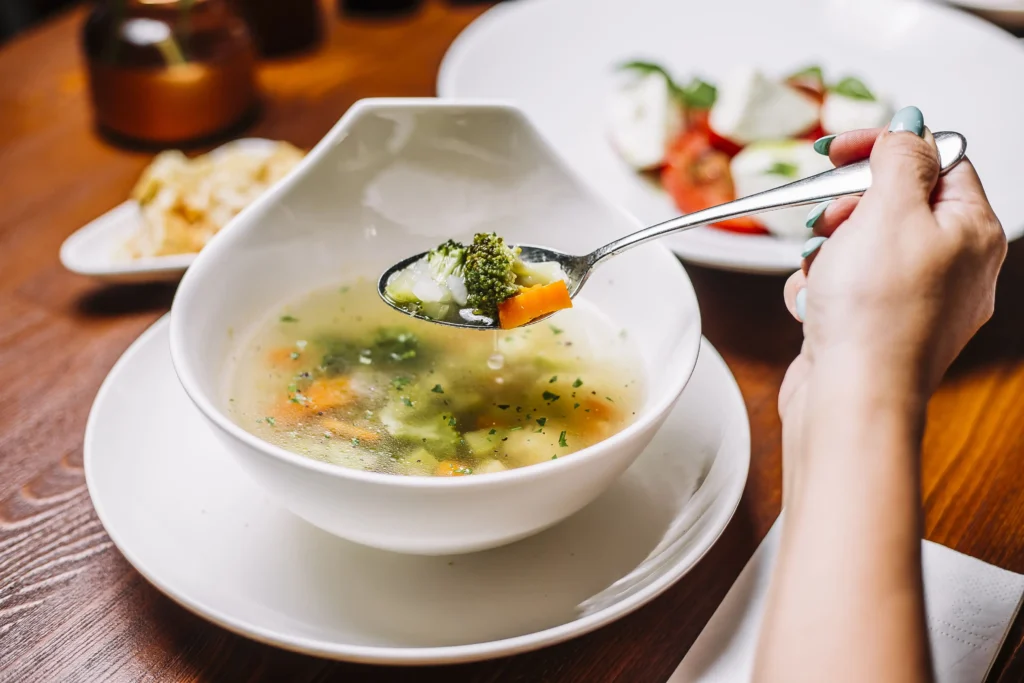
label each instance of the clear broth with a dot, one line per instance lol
(340, 377)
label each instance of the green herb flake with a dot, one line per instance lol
(783, 169)
(554, 457)
(504, 406)
(549, 397)
(553, 379)
(609, 399)
(853, 88)
(355, 442)
(561, 440)
(493, 431)
(400, 382)
(464, 470)
(294, 355)
(810, 73)
(407, 401)
(451, 422)
(575, 406)
(541, 421)
(556, 330)
(515, 429)
(288, 319)
(437, 389)
(577, 384)
(271, 421)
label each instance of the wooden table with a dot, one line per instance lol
(71, 608)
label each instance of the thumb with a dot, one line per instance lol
(904, 160)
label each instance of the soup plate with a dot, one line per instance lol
(392, 178)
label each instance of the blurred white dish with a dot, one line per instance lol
(188, 518)
(99, 249)
(396, 177)
(556, 60)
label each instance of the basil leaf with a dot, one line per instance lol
(810, 73)
(783, 169)
(697, 94)
(853, 88)
(700, 94)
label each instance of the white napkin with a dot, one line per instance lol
(970, 607)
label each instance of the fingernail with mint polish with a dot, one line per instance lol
(801, 304)
(816, 212)
(822, 144)
(909, 119)
(812, 245)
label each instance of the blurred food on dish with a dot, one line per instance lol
(708, 144)
(185, 202)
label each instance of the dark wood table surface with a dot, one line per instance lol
(72, 608)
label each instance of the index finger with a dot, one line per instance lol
(853, 145)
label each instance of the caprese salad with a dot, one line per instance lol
(751, 133)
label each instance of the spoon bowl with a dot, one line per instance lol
(852, 179)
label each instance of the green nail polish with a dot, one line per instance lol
(812, 245)
(822, 144)
(816, 212)
(801, 304)
(909, 119)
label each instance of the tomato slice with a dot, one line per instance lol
(697, 177)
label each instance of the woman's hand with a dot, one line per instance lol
(902, 278)
(905, 275)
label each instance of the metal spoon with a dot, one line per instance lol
(852, 179)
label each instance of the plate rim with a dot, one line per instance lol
(401, 656)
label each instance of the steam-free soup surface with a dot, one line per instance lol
(342, 378)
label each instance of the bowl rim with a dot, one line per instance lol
(188, 292)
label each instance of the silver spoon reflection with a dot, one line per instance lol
(852, 179)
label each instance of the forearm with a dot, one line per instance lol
(846, 601)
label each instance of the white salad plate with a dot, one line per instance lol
(556, 60)
(187, 517)
(99, 249)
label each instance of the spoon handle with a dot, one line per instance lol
(846, 180)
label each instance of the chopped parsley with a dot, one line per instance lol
(541, 421)
(407, 401)
(288, 319)
(577, 384)
(270, 421)
(561, 440)
(503, 406)
(451, 422)
(400, 382)
(493, 431)
(556, 330)
(437, 389)
(553, 379)
(549, 397)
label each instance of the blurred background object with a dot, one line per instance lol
(169, 71)
(282, 27)
(377, 7)
(17, 15)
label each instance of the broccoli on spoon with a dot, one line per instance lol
(484, 282)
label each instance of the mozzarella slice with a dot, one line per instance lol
(765, 165)
(752, 107)
(643, 119)
(841, 113)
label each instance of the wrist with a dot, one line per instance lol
(887, 380)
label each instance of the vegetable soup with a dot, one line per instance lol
(340, 377)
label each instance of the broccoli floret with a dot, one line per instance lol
(490, 278)
(431, 284)
(415, 414)
(392, 347)
(446, 260)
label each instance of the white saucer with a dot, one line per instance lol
(556, 60)
(98, 249)
(185, 515)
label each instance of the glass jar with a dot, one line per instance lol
(169, 71)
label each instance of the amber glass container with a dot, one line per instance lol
(169, 71)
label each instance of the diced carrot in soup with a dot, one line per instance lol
(327, 393)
